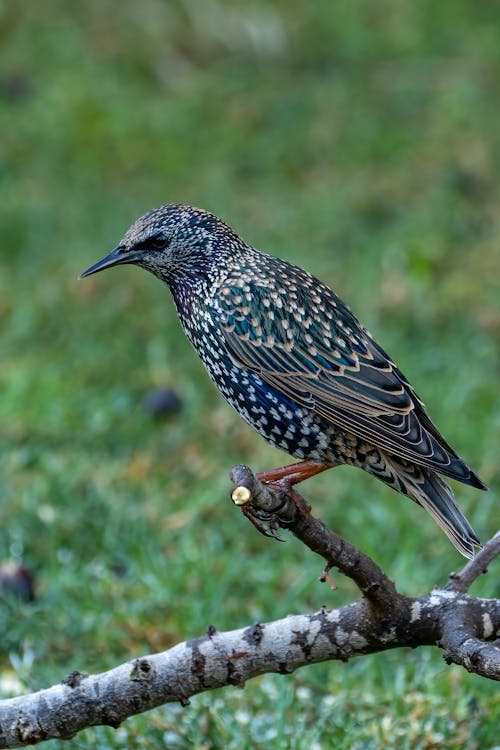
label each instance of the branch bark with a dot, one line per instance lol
(467, 629)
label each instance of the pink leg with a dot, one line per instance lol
(293, 473)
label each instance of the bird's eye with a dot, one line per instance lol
(156, 243)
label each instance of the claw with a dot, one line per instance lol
(265, 523)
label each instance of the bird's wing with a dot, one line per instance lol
(303, 341)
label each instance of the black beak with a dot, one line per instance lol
(117, 257)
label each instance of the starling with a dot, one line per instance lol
(295, 363)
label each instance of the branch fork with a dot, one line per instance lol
(466, 632)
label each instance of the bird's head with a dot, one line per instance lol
(173, 241)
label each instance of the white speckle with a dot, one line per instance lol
(415, 611)
(487, 625)
(303, 693)
(46, 513)
(11, 685)
(357, 640)
(389, 635)
(341, 636)
(437, 596)
(329, 701)
(445, 594)
(386, 723)
(241, 716)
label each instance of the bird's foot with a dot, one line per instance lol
(268, 499)
(266, 523)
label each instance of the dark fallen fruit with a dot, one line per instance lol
(162, 402)
(16, 580)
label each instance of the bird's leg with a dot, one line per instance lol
(287, 476)
(293, 473)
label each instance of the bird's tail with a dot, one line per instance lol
(427, 489)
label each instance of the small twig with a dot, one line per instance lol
(463, 580)
(272, 499)
(325, 577)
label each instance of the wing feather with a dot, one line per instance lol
(327, 362)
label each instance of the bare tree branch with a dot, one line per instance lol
(467, 629)
(231, 658)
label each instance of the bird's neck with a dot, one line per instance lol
(196, 300)
(192, 296)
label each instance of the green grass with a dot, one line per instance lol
(359, 140)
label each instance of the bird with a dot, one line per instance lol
(295, 363)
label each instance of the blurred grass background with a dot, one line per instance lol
(359, 140)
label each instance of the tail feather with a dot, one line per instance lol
(436, 497)
(427, 489)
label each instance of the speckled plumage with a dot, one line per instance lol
(294, 361)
